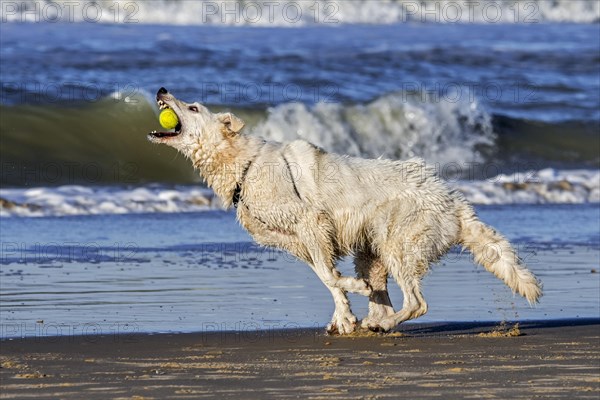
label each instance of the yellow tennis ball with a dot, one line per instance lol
(168, 119)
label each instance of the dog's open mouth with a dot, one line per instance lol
(177, 130)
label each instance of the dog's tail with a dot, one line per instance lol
(495, 253)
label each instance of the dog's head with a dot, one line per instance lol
(197, 125)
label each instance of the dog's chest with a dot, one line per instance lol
(269, 226)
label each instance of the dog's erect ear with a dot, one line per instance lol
(231, 122)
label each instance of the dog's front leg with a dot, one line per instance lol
(320, 252)
(343, 321)
(318, 249)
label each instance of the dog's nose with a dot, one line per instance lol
(162, 90)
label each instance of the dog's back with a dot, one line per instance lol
(362, 195)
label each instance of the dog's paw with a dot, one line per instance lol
(377, 313)
(332, 329)
(369, 321)
(342, 325)
(377, 328)
(380, 326)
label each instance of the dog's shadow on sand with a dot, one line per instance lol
(477, 328)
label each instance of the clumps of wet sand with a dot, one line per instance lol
(503, 330)
(365, 333)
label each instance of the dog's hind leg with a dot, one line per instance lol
(373, 270)
(407, 274)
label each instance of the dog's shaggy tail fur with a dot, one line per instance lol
(495, 253)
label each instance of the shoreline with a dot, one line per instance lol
(557, 358)
(406, 329)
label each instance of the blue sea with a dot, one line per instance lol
(98, 226)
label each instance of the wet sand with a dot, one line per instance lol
(550, 359)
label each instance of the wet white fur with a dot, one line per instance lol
(394, 217)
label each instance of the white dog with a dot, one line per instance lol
(395, 217)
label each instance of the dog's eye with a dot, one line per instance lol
(193, 108)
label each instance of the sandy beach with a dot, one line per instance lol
(550, 359)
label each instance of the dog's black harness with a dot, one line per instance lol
(237, 192)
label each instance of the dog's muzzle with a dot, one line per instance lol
(162, 105)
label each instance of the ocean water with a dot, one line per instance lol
(201, 272)
(100, 227)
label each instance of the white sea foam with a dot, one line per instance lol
(84, 200)
(547, 186)
(299, 13)
(393, 126)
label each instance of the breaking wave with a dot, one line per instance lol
(300, 13)
(104, 142)
(393, 126)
